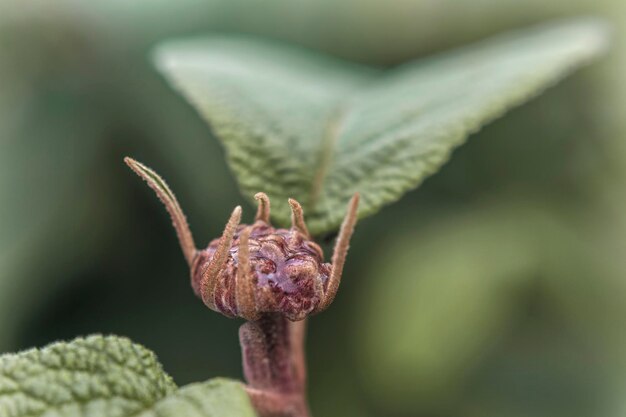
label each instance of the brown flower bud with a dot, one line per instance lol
(258, 269)
(285, 269)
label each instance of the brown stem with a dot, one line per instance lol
(274, 365)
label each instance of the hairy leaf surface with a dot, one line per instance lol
(107, 377)
(297, 124)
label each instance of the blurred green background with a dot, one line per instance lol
(496, 289)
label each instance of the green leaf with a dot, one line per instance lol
(86, 376)
(457, 288)
(296, 124)
(215, 398)
(108, 377)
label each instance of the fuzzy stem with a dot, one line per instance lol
(274, 365)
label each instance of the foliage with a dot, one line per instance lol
(308, 127)
(79, 94)
(486, 262)
(108, 377)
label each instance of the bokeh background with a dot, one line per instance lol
(495, 289)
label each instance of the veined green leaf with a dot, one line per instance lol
(301, 125)
(92, 376)
(107, 377)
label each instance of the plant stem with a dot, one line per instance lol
(274, 365)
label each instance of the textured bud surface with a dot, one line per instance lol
(287, 271)
(256, 270)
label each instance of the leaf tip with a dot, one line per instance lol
(594, 33)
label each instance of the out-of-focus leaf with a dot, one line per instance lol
(301, 125)
(108, 377)
(50, 141)
(439, 298)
